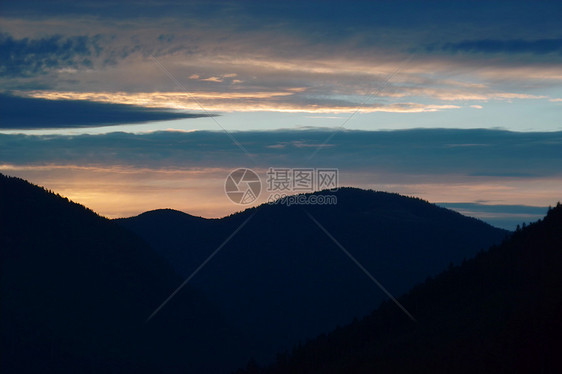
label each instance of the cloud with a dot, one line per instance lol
(32, 113)
(321, 58)
(212, 79)
(290, 100)
(340, 55)
(540, 46)
(503, 216)
(469, 153)
(26, 57)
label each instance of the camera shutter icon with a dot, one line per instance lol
(242, 186)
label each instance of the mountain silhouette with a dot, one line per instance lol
(496, 313)
(281, 279)
(76, 290)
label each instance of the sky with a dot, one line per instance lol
(129, 106)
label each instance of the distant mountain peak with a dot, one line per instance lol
(168, 212)
(281, 278)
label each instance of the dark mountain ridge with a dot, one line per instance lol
(281, 279)
(496, 313)
(77, 288)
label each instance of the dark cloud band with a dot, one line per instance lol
(476, 154)
(30, 113)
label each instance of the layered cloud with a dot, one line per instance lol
(325, 57)
(471, 153)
